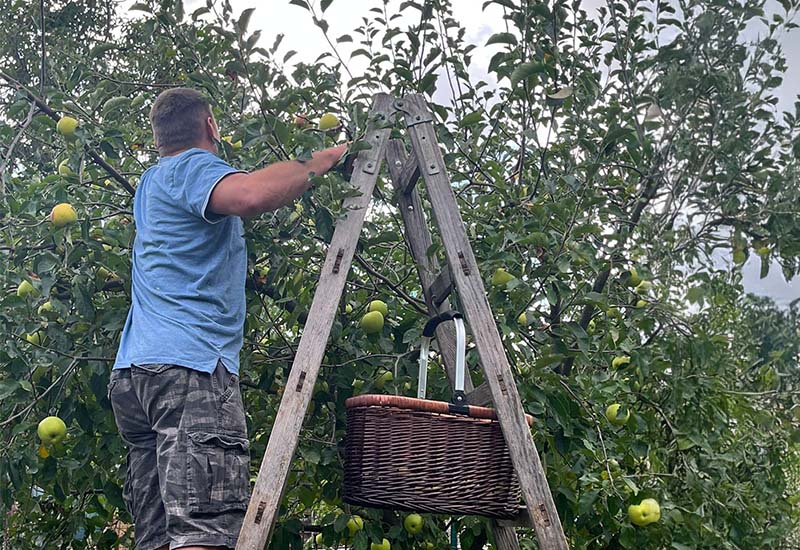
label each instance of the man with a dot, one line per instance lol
(175, 387)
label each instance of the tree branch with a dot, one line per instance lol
(55, 116)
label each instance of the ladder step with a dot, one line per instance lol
(480, 396)
(442, 287)
(409, 175)
(521, 520)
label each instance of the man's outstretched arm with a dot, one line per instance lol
(270, 188)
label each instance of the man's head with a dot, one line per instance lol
(181, 119)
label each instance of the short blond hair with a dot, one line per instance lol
(178, 119)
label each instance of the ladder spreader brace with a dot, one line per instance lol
(461, 274)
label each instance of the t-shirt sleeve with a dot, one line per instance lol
(194, 180)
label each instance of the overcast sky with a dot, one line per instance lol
(301, 35)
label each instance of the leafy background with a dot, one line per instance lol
(604, 147)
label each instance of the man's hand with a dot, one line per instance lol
(331, 156)
(272, 187)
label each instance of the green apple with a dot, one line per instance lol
(138, 101)
(328, 121)
(235, 145)
(427, 545)
(384, 545)
(354, 525)
(63, 214)
(501, 277)
(372, 322)
(643, 287)
(81, 327)
(646, 512)
(64, 170)
(380, 381)
(413, 524)
(635, 279)
(379, 305)
(51, 430)
(318, 539)
(613, 465)
(763, 251)
(739, 256)
(640, 304)
(66, 126)
(613, 415)
(25, 288)
(348, 308)
(619, 361)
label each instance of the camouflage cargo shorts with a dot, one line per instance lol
(188, 473)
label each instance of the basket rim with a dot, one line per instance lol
(423, 405)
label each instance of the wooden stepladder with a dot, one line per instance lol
(461, 274)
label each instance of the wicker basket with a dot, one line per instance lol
(429, 456)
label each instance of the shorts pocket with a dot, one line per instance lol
(231, 387)
(225, 382)
(218, 473)
(111, 384)
(127, 490)
(114, 378)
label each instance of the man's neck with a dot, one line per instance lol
(210, 147)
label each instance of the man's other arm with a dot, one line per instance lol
(270, 188)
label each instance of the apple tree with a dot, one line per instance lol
(620, 165)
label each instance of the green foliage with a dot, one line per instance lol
(630, 138)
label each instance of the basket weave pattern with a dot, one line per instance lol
(405, 457)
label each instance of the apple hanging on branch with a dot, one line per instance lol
(51, 430)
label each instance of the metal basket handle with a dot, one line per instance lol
(459, 397)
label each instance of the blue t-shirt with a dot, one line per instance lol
(189, 269)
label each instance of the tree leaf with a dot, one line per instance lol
(472, 118)
(140, 6)
(321, 23)
(653, 112)
(179, 11)
(525, 71)
(505, 3)
(244, 20)
(502, 38)
(563, 93)
(764, 268)
(428, 83)
(115, 106)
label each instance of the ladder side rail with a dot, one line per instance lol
(472, 294)
(274, 471)
(419, 238)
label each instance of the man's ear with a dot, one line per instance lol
(213, 130)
